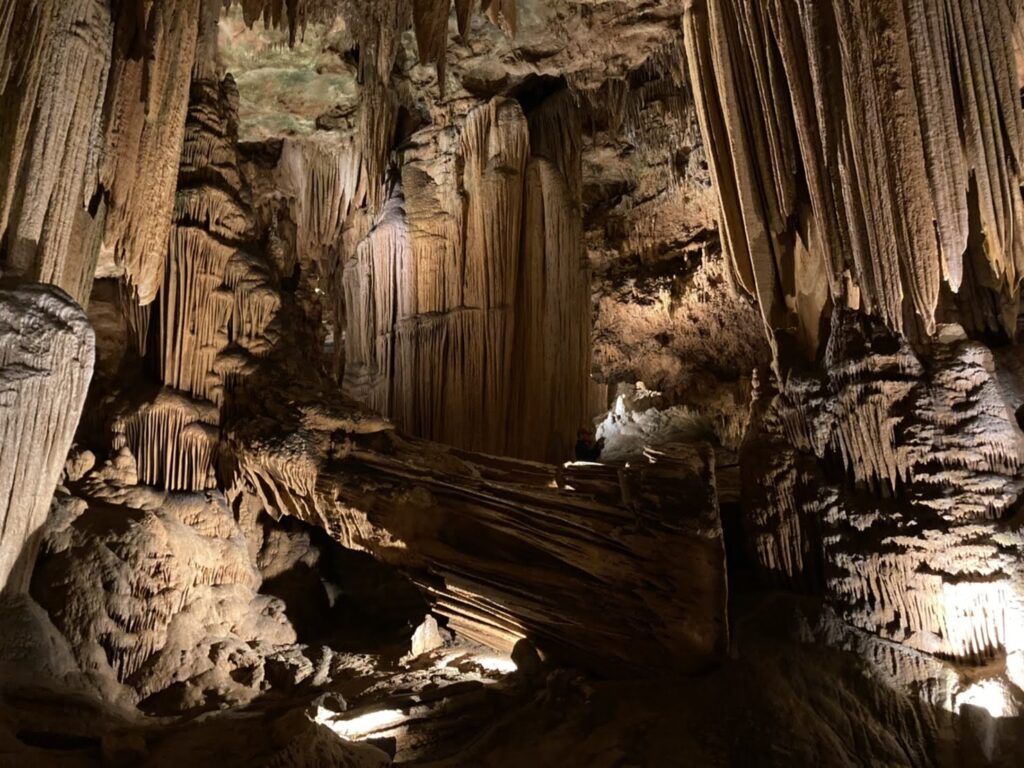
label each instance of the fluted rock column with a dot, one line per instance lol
(47, 351)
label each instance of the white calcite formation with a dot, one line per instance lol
(47, 353)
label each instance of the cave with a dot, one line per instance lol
(567, 383)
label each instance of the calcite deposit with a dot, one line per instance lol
(415, 382)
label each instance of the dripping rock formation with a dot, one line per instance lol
(418, 383)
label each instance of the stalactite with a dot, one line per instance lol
(136, 317)
(502, 13)
(864, 105)
(371, 294)
(216, 295)
(47, 351)
(430, 20)
(155, 44)
(323, 182)
(495, 146)
(194, 312)
(448, 293)
(174, 441)
(54, 60)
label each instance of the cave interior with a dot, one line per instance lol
(599, 383)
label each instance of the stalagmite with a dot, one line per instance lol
(47, 352)
(160, 596)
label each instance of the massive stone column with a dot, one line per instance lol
(47, 352)
(468, 302)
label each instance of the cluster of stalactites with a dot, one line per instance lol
(96, 99)
(295, 14)
(145, 122)
(218, 299)
(54, 62)
(377, 26)
(467, 303)
(174, 441)
(872, 144)
(430, 22)
(323, 181)
(651, 107)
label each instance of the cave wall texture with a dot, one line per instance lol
(304, 302)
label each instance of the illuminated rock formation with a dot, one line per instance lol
(46, 361)
(358, 271)
(907, 538)
(145, 123)
(96, 93)
(157, 591)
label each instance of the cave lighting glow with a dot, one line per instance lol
(489, 662)
(501, 664)
(990, 695)
(360, 727)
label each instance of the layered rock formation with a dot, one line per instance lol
(503, 546)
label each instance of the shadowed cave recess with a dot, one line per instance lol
(516, 383)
